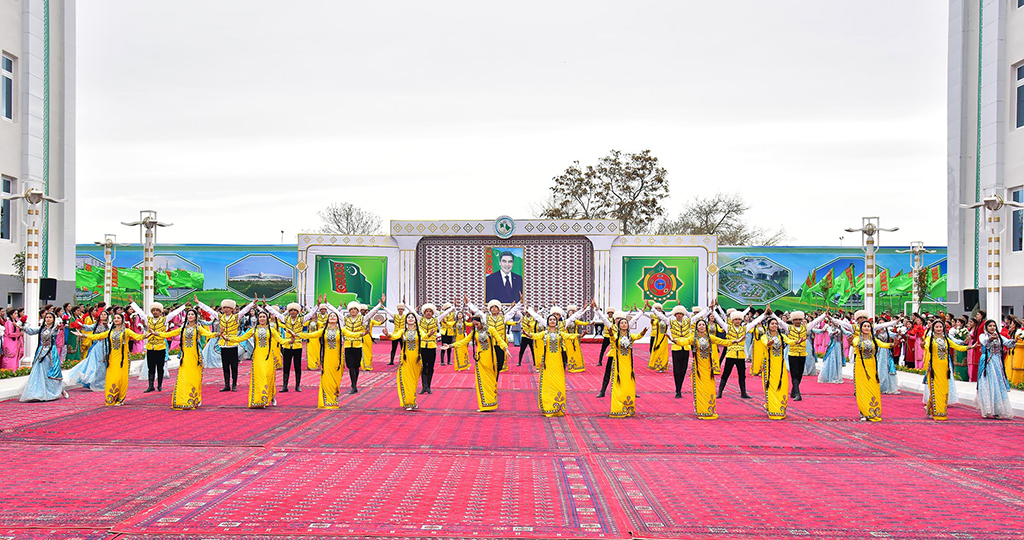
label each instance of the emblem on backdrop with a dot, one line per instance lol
(504, 227)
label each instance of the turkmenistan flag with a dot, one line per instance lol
(901, 284)
(844, 284)
(126, 278)
(349, 278)
(937, 289)
(89, 278)
(806, 290)
(882, 282)
(161, 282)
(184, 279)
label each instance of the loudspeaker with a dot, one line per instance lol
(47, 289)
(970, 299)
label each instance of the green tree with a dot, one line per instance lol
(721, 215)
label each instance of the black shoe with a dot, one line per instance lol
(745, 396)
(599, 362)
(391, 363)
(424, 391)
(148, 390)
(285, 389)
(520, 364)
(719, 396)
(636, 395)
(352, 391)
(429, 391)
(601, 395)
(226, 389)
(234, 387)
(297, 388)
(679, 395)
(798, 398)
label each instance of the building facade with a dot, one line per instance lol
(37, 136)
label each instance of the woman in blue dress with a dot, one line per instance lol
(832, 364)
(211, 351)
(91, 372)
(45, 382)
(993, 397)
(886, 367)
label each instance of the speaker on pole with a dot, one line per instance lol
(47, 289)
(970, 299)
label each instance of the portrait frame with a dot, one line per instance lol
(492, 273)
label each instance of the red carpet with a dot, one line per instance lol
(79, 470)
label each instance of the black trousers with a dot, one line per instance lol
(290, 356)
(447, 340)
(680, 361)
(741, 368)
(229, 363)
(796, 373)
(394, 348)
(353, 358)
(428, 357)
(604, 347)
(499, 356)
(607, 374)
(156, 360)
(524, 344)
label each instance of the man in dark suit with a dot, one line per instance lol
(504, 285)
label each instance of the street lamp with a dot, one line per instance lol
(917, 252)
(108, 243)
(33, 197)
(149, 223)
(993, 209)
(870, 227)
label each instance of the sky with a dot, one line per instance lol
(237, 120)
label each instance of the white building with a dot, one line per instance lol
(37, 135)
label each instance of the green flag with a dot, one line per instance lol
(126, 278)
(161, 282)
(937, 289)
(844, 284)
(901, 284)
(184, 279)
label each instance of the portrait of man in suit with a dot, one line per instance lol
(504, 283)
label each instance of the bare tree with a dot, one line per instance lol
(721, 215)
(623, 186)
(348, 219)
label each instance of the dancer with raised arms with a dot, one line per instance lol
(409, 337)
(551, 389)
(993, 398)
(735, 352)
(228, 322)
(940, 390)
(497, 320)
(330, 341)
(865, 372)
(291, 324)
(486, 341)
(798, 332)
(262, 377)
(45, 380)
(156, 346)
(428, 345)
(188, 387)
(702, 345)
(118, 359)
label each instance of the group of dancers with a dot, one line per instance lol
(775, 346)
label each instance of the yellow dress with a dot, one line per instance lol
(704, 353)
(188, 387)
(329, 341)
(313, 345)
(622, 377)
(460, 353)
(275, 346)
(118, 363)
(660, 345)
(716, 358)
(938, 386)
(410, 366)
(499, 325)
(263, 376)
(775, 381)
(1014, 367)
(486, 365)
(86, 342)
(865, 378)
(573, 352)
(759, 351)
(367, 361)
(551, 390)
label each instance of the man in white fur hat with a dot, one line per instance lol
(735, 354)
(291, 323)
(428, 348)
(606, 334)
(397, 319)
(446, 325)
(798, 332)
(357, 323)
(156, 346)
(228, 320)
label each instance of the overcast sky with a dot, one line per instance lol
(237, 119)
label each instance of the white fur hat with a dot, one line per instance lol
(446, 306)
(796, 315)
(228, 303)
(572, 307)
(400, 305)
(156, 305)
(352, 305)
(736, 315)
(729, 311)
(679, 310)
(430, 307)
(658, 306)
(363, 306)
(620, 315)
(295, 306)
(860, 313)
(557, 311)
(609, 309)
(698, 309)
(494, 303)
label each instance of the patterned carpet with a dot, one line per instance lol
(79, 470)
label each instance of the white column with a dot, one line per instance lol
(108, 264)
(32, 247)
(915, 269)
(147, 267)
(869, 276)
(993, 289)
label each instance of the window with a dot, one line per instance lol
(1020, 3)
(1017, 237)
(7, 87)
(7, 185)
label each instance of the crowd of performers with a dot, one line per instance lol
(780, 348)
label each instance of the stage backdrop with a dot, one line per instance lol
(346, 278)
(666, 280)
(216, 272)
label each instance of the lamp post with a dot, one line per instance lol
(108, 243)
(870, 227)
(917, 251)
(148, 222)
(993, 204)
(33, 199)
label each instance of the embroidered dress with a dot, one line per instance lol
(551, 390)
(330, 341)
(659, 345)
(485, 345)
(118, 361)
(832, 363)
(91, 372)
(940, 390)
(188, 386)
(993, 398)
(775, 379)
(45, 381)
(865, 378)
(263, 376)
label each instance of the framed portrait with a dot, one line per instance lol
(503, 273)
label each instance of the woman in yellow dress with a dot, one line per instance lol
(704, 348)
(188, 387)
(774, 370)
(409, 335)
(940, 389)
(1014, 363)
(461, 354)
(573, 352)
(315, 322)
(330, 341)
(263, 376)
(488, 341)
(865, 372)
(551, 390)
(378, 320)
(118, 362)
(623, 376)
(660, 344)
(758, 351)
